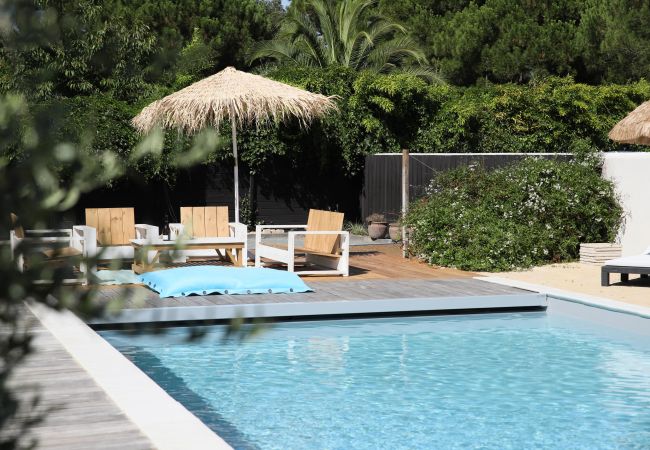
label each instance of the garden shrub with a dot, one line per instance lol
(547, 116)
(386, 113)
(530, 213)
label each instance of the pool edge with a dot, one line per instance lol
(339, 308)
(163, 420)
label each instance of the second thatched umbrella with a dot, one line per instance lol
(240, 97)
(634, 128)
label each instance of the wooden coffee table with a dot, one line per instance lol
(233, 250)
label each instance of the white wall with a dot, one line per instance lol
(630, 172)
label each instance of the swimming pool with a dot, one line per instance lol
(516, 380)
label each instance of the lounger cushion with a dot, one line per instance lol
(204, 280)
(630, 261)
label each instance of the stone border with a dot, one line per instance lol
(166, 422)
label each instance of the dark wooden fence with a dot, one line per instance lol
(382, 186)
(284, 193)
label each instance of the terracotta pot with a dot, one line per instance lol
(377, 230)
(395, 232)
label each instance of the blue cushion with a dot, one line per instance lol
(205, 280)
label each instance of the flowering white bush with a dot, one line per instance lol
(530, 213)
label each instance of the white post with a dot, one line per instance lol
(405, 198)
(234, 154)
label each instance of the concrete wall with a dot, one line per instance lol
(630, 172)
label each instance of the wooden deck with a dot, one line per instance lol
(77, 413)
(139, 297)
(376, 262)
(380, 281)
(373, 262)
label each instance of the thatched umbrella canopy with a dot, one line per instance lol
(240, 97)
(634, 128)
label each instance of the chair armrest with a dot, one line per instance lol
(259, 228)
(177, 231)
(345, 238)
(238, 230)
(84, 239)
(144, 231)
(284, 227)
(342, 233)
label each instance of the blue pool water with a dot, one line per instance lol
(506, 381)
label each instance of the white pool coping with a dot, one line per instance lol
(575, 297)
(166, 422)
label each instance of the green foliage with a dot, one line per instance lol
(385, 113)
(196, 38)
(321, 33)
(376, 112)
(531, 213)
(614, 40)
(98, 123)
(553, 115)
(522, 40)
(83, 48)
(30, 187)
(43, 172)
(357, 229)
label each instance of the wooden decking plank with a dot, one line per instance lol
(80, 414)
(348, 290)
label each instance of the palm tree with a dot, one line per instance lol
(348, 33)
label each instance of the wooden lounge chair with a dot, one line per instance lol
(325, 245)
(208, 222)
(638, 264)
(55, 246)
(108, 232)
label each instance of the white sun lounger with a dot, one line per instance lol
(637, 264)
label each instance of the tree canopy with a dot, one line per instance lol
(594, 41)
(322, 33)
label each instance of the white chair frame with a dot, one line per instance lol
(86, 237)
(40, 239)
(337, 265)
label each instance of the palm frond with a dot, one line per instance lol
(278, 50)
(430, 74)
(350, 33)
(397, 51)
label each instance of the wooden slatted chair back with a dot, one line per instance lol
(324, 221)
(115, 226)
(205, 221)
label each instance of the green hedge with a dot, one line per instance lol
(385, 113)
(97, 122)
(550, 116)
(533, 212)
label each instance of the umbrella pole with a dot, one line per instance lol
(236, 173)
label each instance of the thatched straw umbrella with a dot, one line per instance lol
(634, 128)
(240, 97)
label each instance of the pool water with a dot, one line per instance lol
(501, 381)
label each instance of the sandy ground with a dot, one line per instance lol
(584, 278)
